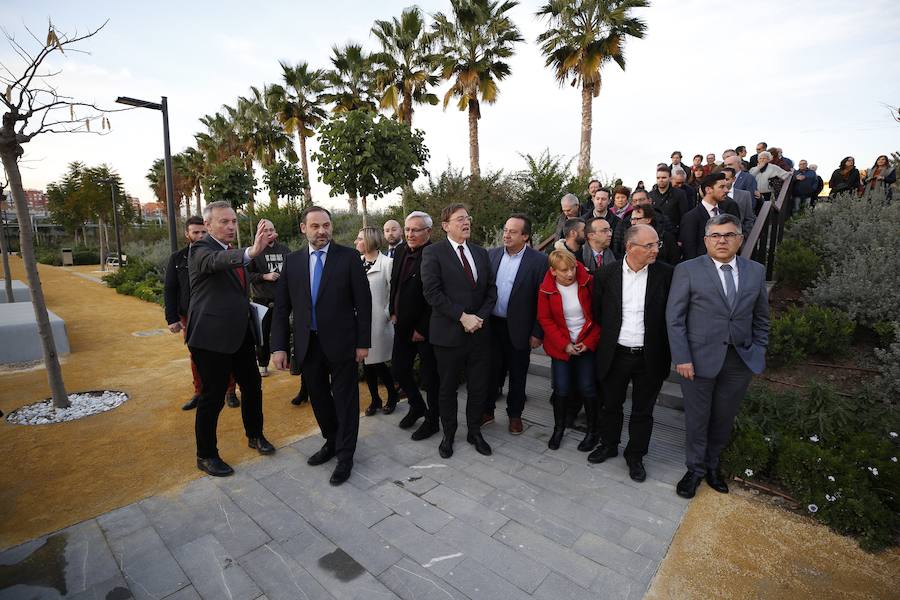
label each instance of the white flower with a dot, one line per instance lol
(830, 478)
(893, 434)
(830, 498)
(748, 472)
(812, 508)
(874, 471)
(893, 459)
(814, 438)
(767, 438)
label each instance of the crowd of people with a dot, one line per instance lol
(636, 282)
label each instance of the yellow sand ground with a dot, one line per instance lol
(57, 475)
(741, 546)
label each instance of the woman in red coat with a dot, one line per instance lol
(570, 339)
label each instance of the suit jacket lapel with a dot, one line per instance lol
(650, 293)
(456, 260)
(215, 246)
(304, 273)
(743, 280)
(327, 271)
(710, 267)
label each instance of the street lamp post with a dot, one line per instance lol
(112, 186)
(163, 107)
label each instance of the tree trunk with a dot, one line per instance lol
(7, 273)
(308, 199)
(584, 156)
(407, 117)
(103, 249)
(26, 250)
(199, 192)
(365, 211)
(354, 209)
(474, 166)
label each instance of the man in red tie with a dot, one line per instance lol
(221, 332)
(596, 252)
(458, 283)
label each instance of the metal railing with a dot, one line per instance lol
(762, 242)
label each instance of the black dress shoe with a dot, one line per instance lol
(341, 472)
(324, 454)
(410, 418)
(445, 449)
(214, 466)
(556, 438)
(425, 431)
(232, 400)
(715, 480)
(390, 407)
(687, 487)
(589, 442)
(481, 446)
(372, 409)
(261, 444)
(300, 398)
(192, 403)
(602, 453)
(636, 470)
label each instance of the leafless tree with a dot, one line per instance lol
(4, 250)
(32, 106)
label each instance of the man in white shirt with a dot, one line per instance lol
(630, 307)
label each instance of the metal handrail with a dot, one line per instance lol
(768, 230)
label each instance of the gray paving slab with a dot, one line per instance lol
(524, 522)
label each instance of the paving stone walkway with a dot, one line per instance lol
(526, 522)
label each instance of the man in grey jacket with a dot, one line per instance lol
(717, 319)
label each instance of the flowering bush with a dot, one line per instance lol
(820, 447)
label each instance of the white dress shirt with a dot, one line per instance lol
(734, 274)
(506, 277)
(572, 310)
(468, 254)
(709, 208)
(634, 292)
(312, 262)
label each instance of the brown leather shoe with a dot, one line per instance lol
(515, 426)
(487, 418)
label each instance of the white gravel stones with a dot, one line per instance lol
(81, 405)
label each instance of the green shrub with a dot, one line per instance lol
(748, 455)
(889, 359)
(138, 278)
(812, 329)
(796, 264)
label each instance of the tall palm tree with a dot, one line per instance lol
(298, 105)
(475, 40)
(194, 169)
(583, 36)
(406, 66)
(350, 80)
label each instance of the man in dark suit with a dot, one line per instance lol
(393, 235)
(411, 314)
(222, 334)
(715, 202)
(600, 209)
(630, 306)
(518, 271)
(177, 294)
(668, 200)
(458, 284)
(324, 285)
(718, 323)
(596, 251)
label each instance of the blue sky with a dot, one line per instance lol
(811, 77)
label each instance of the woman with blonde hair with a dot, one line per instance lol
(378, 270)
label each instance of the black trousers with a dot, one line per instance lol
(380, 371)
(472, 357)
(263, 353)
(505, 358)
(334, 395)
(215, 370)
(628, 368)
(402, 360)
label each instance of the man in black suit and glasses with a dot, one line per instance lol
(458, 284)
(325, 286)
(630, 306)
(221, 332)
(411, 315)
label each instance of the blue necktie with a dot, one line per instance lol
(317, 279)
(730, 291)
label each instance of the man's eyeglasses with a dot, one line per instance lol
(415, 230)
(649, 246)
(465, 219)
(723, 236)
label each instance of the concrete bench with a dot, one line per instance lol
(19, 339)
(21, 293)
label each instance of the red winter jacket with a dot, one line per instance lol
(551, 318)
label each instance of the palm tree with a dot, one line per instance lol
(583, 36)
(193, 167)
(298, 106)
(475, 40)
(406, 66)
(350, 81)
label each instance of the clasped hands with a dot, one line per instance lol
(471, 323)
(575, 349)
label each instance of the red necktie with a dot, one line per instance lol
(600, 260)
(239, 271)
(466, 266)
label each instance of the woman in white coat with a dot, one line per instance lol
(378, 269)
